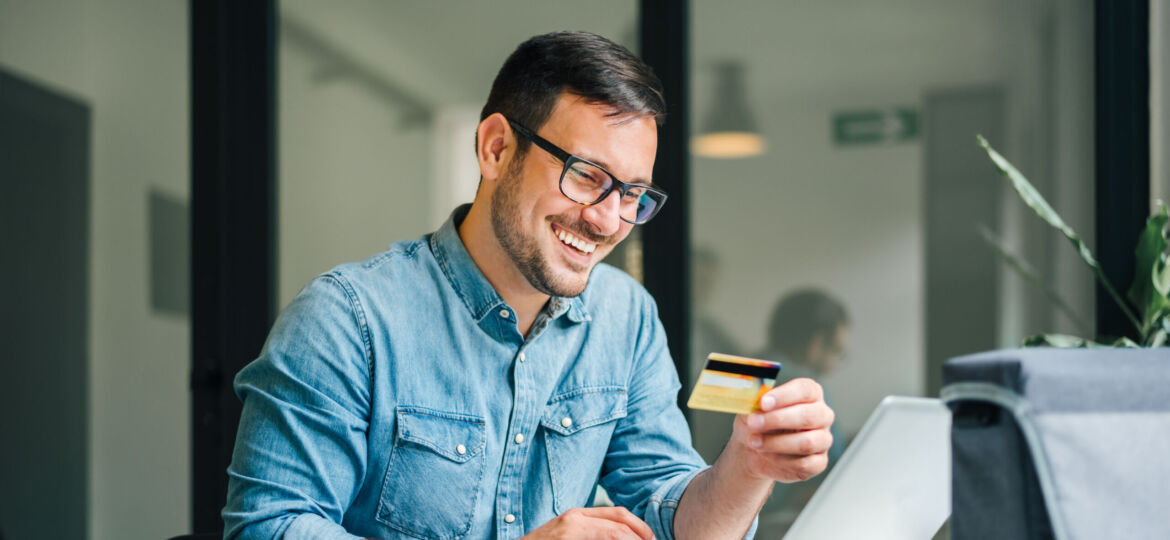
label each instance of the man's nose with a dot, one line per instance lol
(605, 215)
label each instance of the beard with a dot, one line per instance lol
(524, 250)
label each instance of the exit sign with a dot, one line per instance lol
(875, 126)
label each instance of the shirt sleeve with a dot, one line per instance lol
(650, 460)
(300, 450)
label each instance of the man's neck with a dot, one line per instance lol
(499, 269)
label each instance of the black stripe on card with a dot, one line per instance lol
(763, 372)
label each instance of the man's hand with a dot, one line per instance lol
(789, 439)
(610, 523)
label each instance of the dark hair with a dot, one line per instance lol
(801, 315)
(588, 65)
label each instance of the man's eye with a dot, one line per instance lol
(635, 193)
(588, 175)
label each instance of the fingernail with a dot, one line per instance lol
(757, 442)
(767, 402)
(755, 421)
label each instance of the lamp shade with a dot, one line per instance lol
(729, 129)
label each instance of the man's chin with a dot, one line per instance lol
(566, 283)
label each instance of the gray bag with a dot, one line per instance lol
(1060, 443)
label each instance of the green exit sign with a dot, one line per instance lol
(875, 126)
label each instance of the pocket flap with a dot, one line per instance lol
(458, 437)
(577, 409)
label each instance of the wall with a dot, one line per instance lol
(128, 60)
(1160, 100)
(850, 220)
(354, 177)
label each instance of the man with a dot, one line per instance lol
(480, 381)
(807, 333)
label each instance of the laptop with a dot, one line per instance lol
(892, 482)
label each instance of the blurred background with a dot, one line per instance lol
(830, 148)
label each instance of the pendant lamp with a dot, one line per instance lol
(730, 130)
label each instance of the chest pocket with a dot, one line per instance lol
(578, 425)
(433, 478)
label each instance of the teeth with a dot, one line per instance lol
(582, 245)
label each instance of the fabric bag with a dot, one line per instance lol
(1060, 443)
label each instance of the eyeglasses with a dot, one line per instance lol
(588, 183)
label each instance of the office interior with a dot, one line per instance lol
(866, 181)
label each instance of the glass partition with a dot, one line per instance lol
(844, 240)
(378, 107)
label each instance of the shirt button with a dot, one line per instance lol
(460, 449)
(504, 313)
(509, 518)
(519, 438)
(566, 422)
(521, 356)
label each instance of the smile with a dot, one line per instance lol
(579, 244)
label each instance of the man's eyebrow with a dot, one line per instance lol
(600, 162)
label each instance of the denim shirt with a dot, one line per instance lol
(396, 398)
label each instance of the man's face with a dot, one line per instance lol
(554, 241)
(825, 352)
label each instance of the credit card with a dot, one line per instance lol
(733, 384)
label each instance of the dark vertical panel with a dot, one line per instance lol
(665, 44)
(962, 192)
(1122, 57)
(233, 225)
(44, 312)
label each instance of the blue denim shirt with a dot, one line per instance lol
(396, 398)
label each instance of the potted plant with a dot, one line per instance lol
(1067, 437)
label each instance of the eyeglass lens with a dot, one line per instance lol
(586, 184)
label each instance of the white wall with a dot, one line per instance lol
(128, 60)
(1160, 100)
(850, 220)
(353, 179)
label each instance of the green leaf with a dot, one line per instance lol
(1158, 338)
(1125, 342)
(1036, 202)
(1060, 341)
(1149, 277)
(1025, 271)
(1161, 276)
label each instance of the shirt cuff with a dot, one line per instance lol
(312, 526)
(660, 512)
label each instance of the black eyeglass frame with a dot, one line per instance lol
(570, 159)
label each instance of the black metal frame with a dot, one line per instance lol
(1122, 99)
(666, 242)
(233, 225)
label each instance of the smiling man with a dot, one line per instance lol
(481, 381)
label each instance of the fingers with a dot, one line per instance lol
(792, 392)
(801, 443)
(621, 516)
(799, 417)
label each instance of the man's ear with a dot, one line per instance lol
(495, 146)
(815, 348)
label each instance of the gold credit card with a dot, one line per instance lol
(733, 384)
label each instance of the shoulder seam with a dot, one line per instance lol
(359, 315)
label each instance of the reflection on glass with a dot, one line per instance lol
(872, 187)
(378, 107)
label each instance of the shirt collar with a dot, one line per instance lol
(471, 285)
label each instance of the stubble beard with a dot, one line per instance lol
(525, 250)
